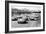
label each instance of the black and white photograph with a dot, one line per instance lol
(25, 16)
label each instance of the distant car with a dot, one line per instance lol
(22, 21)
